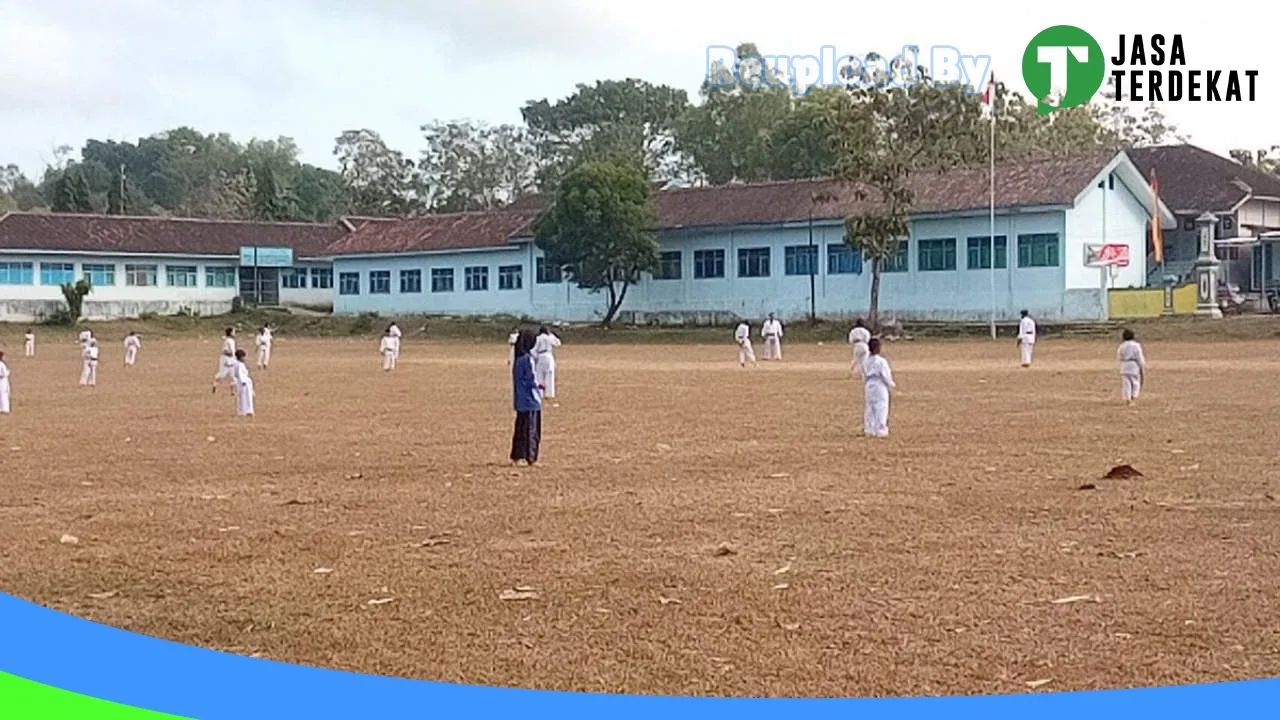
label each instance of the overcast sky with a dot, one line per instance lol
(309, 69)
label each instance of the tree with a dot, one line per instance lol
(74, 294)
(728, 136)
(474, 166)
(895, 132)
(800, 146)
(379, 181)
(627, 121)
(270, 203)
(116, 202)
(600, 229)
(320, 194)
(71, 192)
(1265, 160)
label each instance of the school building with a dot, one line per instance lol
(752, 249)
(165, 266)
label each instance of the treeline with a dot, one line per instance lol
(736, 131)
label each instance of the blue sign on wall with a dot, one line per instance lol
(254, 256)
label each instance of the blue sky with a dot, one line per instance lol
(309, 69)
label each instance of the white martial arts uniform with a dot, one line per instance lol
(388, 350)
(858, 338)
(544, 363)
(4, 388)
(771, 331)
(878, 382)
(30, 345)
(89, 369)
(226, 362)
(264, 348)
(131, 345)
(1027, 339)
(511, 340)
(742, 336)
(244, 388)
(395, 337)
(1133, 363)
(85, 337)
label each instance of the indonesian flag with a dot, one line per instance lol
(989, 95)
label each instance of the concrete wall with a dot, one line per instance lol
(309, 294)
(1112, 214)
(1149, 302)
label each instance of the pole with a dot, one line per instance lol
(992, 239)
(257, 284)
(813, 262)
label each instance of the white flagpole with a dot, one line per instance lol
(992, 238)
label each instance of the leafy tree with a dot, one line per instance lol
(895, 133)
(1265, 160)
(627, 121)
(800, 145)
(71, 192)
(474, 166)
(320, 194)
(379, 180)
(270, 203)
(600, 229)
(74, 294)
(117, 203)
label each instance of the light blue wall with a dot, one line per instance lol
(960, 294)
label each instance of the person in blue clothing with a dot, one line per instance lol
(527, 400)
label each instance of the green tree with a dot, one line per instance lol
(71, 192)
(117, 203)
(898, 131)
(800, 145)
(379, 180)
(270, 203)
(1265, 160)
(74, 295)
(600, 227)
(473, 166)
(319, 193)
(627, 121)
(727, 136)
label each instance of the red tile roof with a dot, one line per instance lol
(108, 233)
(1193, 180)
(453, 231)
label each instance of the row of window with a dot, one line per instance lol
(475, 279)
(141, 275)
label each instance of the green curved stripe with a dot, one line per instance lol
(22, 699)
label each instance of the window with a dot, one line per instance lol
(100, 275)
(219, 277)
(900, 262)
(753, 262)
(441, 279)
(181, 276)
(477, 278)
(708, 264)
(57, 273)
(140, 275)
(410, 281)
(293, 278)
(1038, 250)
(349, 283)
(935, 255)
(669, 265)
(379, 282)
(546, 273)
(843, 260)
(510, 277)
(979, 252)
(800, 260)
(16, 273)
(321, 278)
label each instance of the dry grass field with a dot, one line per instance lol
(695, 528)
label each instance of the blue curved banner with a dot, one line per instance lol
(44, 650)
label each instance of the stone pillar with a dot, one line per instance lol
(1168, 297)
(1206, 269)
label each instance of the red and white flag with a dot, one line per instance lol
(989, 95)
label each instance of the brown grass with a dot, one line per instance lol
(924, 564)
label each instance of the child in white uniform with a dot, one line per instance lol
(244, 386)
(89, 370)
(859, 336)
(131, 345)
(544, 361)
(264, 346)
(30, 344)
(743, 337)
(878, 380)
(388, 350)
(1133, 367)
(4, 386)
(226, 361)
(771, 331)
(1026, 337)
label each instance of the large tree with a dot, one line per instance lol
(380, 180)
(601, 228)
(1267, 160)
(71, 192)
(474, 166)
(628, 121)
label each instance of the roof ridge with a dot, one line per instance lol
(163, 218)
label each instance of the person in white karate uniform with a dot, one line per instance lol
(243, 384)
(89, 367)
(4, 386)
(878, 379)
(544, 361)
(227, 360)
(1133, 367)
(394, 330)
(771, 331)
(29, 344)
(85, 336)
(1026, 337)
(859, 336)
(132, 343)
(387, 348)
(742, 336)
(263, 342)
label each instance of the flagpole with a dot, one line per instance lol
(992, 238)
